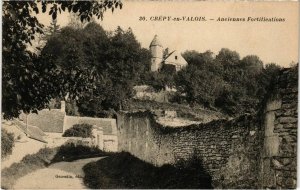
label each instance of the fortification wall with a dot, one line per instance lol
(278, 162)
(247, 152)
(221, 146)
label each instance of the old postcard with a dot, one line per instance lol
(149, 94)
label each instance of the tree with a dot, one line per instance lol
(54, 28)
(202, 80)
(28, 86)
(200, 86)
(118, 62)
(204, 61)
(226, 82)
(271, 69)
(126, 63)
(252, 64)
(159, 80)
(74, 51)
(228, 58)
(41, 39)
(265, 78)
(75, 22)
(198, 59)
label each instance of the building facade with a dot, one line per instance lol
(53, 123)
(159, 56)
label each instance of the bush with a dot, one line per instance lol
(70, 152)
(7, 143)
(79, 130)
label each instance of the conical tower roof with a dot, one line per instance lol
(155, 42)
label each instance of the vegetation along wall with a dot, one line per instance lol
(246, 152)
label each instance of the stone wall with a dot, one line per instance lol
(228, 149)
(279, 154)
(56, 122)
(108, 124)
(247, 152)
(59, 141)
(108, 140)
(161, 96)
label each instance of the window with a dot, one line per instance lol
(176, 57)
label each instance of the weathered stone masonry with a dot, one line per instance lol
(247, 152)
(229, 150)
(279, 154)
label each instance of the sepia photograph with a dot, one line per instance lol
(163, 94)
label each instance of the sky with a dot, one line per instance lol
(275, 42)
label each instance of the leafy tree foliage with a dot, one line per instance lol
(199, 85)
(53, 29)
(28, 86)
(75, 21)
(226, 82)
(204, 61)
(228, 57)
(114, 63)
(252, 63)
(160, 79)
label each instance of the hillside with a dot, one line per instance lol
(184, 112)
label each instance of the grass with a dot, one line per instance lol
(43, 158)
(183, 111)
(28, 164)
(124, 171)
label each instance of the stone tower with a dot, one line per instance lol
(156, 54)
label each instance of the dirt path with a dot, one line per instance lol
(62, 175)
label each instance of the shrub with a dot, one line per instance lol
(79, 130)
(7, 143)
(70, 152)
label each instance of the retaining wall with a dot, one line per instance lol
(247, 152)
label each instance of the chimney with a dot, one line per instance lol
(63, 106)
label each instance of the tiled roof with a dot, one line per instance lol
(55, 121)
(176, 59)
(48, 120)
(31, 131)
(155, 41)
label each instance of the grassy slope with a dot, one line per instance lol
(43, 159)
(183, 111)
